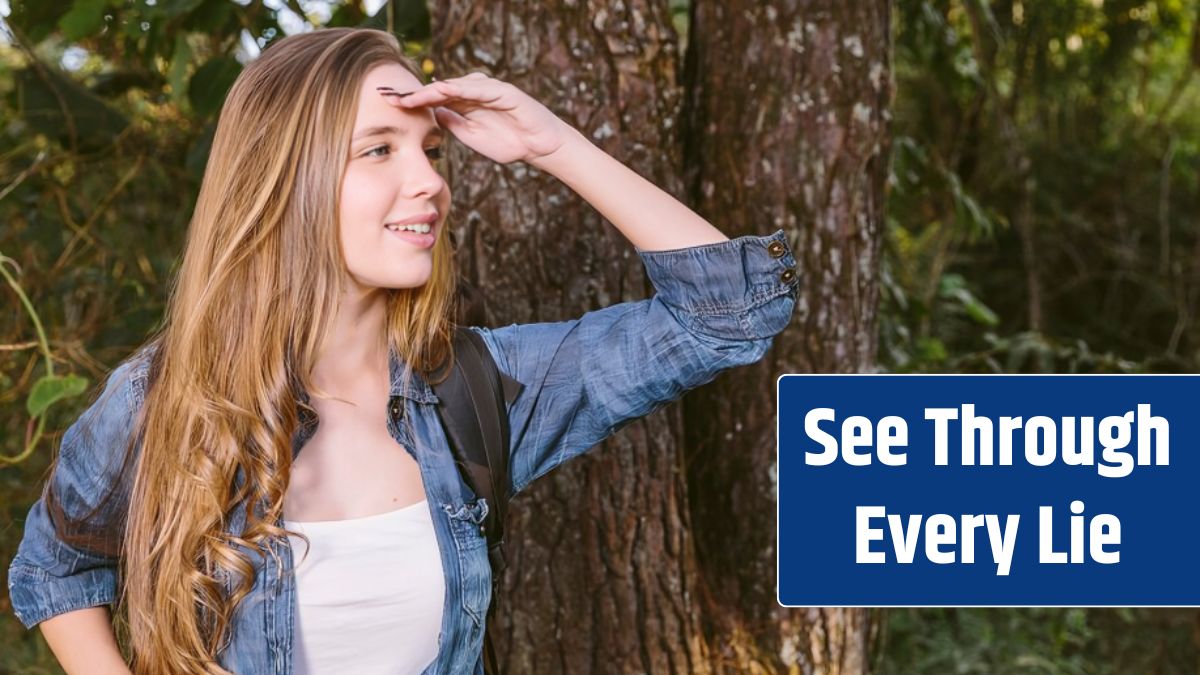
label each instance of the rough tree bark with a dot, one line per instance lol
(601, 569)
(787, 115)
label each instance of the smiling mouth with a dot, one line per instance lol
(419, 228)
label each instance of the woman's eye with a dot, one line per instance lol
(434, 153)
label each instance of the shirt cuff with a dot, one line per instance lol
(37, 596)
(744, 288)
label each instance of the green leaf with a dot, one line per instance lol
(53, 388)
(978, 311)
(932, 350)
(173, 8)
(954, 287)
(39, 91)
(349, 14)
(213, 17)
(85, 18)
(410, 19)
(178, 73)
(114, 83)
(37, 18)
(197, 156)
(210, 84)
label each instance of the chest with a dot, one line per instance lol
(352, 466)
(320, 493)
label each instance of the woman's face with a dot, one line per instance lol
(390, 178)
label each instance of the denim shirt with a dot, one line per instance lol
(717, 306)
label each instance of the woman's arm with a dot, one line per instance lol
(716, 306)
(83, 642)
(650, 219)
(503, 123)
(58, 585)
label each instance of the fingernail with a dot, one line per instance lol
(397, 94)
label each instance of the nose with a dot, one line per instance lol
(423, 179)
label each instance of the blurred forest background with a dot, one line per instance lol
(1036, 211)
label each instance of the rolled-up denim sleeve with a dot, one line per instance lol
(47, 576)
(716, 306)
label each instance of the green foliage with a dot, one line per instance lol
(55, 106)
(410, 20)
(85, 18)
(212, 81)
(36, 19)
(1042, 217)
(53, 388)
(1044, 187)
(1041, 641)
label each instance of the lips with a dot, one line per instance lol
(429, 218)
(420, 240)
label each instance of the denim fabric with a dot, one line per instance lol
(717, 306)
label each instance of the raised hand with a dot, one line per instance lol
(493, 118)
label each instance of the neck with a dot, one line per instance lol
(355, 350)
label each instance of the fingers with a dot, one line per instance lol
(450, 120)
(475, 87)
(436, 92)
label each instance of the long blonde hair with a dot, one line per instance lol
(259, 284)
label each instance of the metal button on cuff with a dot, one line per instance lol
(788, 275)
(776, 249)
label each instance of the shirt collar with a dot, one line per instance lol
(418, 389)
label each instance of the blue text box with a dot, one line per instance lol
(820, 521)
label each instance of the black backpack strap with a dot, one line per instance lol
(473, 410)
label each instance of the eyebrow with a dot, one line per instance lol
(434, 132)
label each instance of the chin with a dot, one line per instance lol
(398, 284)
(383, 283)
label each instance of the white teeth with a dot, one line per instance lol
(421, 228)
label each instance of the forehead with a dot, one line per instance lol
(375, 110)
(390, 75)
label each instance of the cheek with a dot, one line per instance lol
(363, 206)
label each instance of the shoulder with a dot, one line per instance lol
(112, 411)
(94, 451)
(134, 372)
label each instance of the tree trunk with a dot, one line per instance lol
(787, 127)
(601, 566)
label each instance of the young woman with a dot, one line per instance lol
(317, 262)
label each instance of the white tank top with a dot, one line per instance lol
(369, 594)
